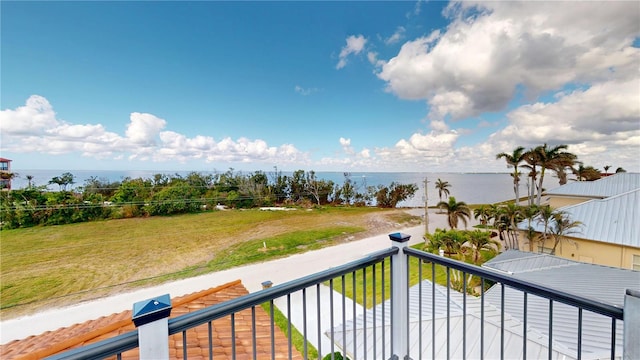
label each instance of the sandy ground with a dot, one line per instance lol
(277, 271)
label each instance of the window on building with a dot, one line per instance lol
(636, 262)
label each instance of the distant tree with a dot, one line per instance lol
(562, 225)
(389, 197)
(587, 173)
(455, 211)
(29, 181)
(319, 190)
(606, 169)
(63, 181)
(620, 170)
(513, 160)
(443, 188)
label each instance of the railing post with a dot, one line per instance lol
(399, 299)
(151, 318)
(631, 325)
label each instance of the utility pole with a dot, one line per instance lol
(426, 206)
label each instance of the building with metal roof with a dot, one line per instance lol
(462, 318)
(581, 191)
(601, 283)
(608, 210)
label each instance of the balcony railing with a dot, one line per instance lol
(404, 314)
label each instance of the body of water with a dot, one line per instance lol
(472, 188)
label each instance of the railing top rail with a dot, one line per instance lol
(531, 288)
(217, 311)
(101, 349)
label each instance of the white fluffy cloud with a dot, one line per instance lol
(355, 45)
(492, 48)
(34, 117)
(35, 128)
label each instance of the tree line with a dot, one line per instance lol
(164, 194)
(500, 221)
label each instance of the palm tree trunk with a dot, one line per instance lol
(540, 187)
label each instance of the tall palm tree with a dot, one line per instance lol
(512, 216)
(562, 226)
(564, 161)
(455, 211)
(443, 188)
(606, 169)
(529, 213)
(481, 240)
(513, 160)
(548, 157)
(532, 159)
(545, 216)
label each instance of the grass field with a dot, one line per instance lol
(360, 287)
(59, 265)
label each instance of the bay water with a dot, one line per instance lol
(472, 188)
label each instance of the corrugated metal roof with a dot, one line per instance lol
(509, 255)
(352, 336)
(612, 220)
(608, 186)
(602, 283)
(514, 261)
(596, 333)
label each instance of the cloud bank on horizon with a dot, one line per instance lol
(497, 75)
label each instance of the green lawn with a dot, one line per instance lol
(56, 265)
(364, 279)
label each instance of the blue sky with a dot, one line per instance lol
(325, 86)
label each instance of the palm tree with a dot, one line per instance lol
(545, 216)
(481, 240)
(512, 216)
(548, 158)
(562, 225)
(620, 170)
(433, 241)
(532, 159)
(442, 187)
(449, 241)
(560, 165)
(606, 169)
(529, 213)
(514, 159)
(30, 181)
(482, 213)
(455, 211)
